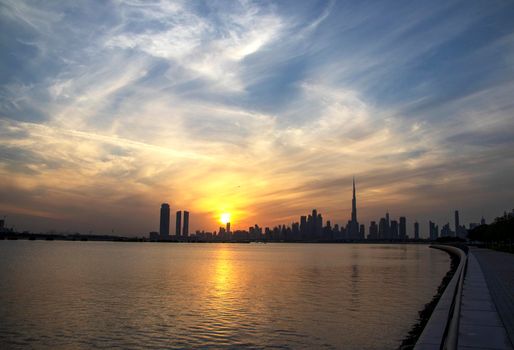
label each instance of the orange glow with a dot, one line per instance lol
(225, 218)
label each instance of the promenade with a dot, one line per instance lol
(487, 311)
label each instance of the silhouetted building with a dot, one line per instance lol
(387, 227)
(382, 228)
(460, 231)
(457, 222)
(228, 227)
(446, 231)
(303, 227)
(433, 230)
(185, 227)
(318, 227)
(393, 230)
(154, 236)
(402, 232)
(352, 227)
(416, 230)
(178, 223)
(164, 227)
(482, 221)
(373, 230)
(362, 232)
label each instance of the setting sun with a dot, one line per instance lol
(225, 218)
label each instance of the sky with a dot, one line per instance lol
(261, 109)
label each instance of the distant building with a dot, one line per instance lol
(362, 232)
(154, 236)
(416, 230)
(382, 229)
(433, 230)
(178, 223)
(185, 228)
(403, 228)
(394, 229)
(303, 227)
(164, 227)
(352, 228)
(446, 231)
(373, 230)
(228, 227)
(388, 234)
(457, 223)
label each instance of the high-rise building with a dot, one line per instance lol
(403, 228)
(319, 226)
(303, 227)
(387, 226)
(446, 231)
(314, 224)
(382, 229)
(178, 223)
(354, 204)
(416, 230)
(457, 223)
(433, 231)
(373, 230)
(362, 232)
(353, 224)
(164, 227)
(393, 229)
(185, 228)
(228, 227)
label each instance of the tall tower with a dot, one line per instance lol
(164, 227)
(185, 228)
(178, 223)
(353, 224)
(354, 203)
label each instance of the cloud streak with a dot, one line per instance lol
(263, 110)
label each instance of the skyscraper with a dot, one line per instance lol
(354, 204)
(403, 228)
(393, 230)
(457, 223)
(164, 227)
(178, 223)
(416, 230)
(373, 230)
(353, 224)
(185, 228)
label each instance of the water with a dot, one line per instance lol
(156, 295)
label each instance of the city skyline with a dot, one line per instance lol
(313, 227)
(261, 109)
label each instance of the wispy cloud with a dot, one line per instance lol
(264, 110)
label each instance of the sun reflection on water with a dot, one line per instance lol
(224, 275)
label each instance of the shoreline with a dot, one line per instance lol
(410, 340)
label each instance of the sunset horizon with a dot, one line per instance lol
(257, 174)
(264, 110)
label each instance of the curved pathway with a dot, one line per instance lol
(487, 311)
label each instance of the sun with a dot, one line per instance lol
(225, 217)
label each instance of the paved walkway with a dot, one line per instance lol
(485, 300)
(498, 268)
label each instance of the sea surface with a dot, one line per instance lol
(87, 295)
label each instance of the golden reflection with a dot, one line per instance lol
(223, 274)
